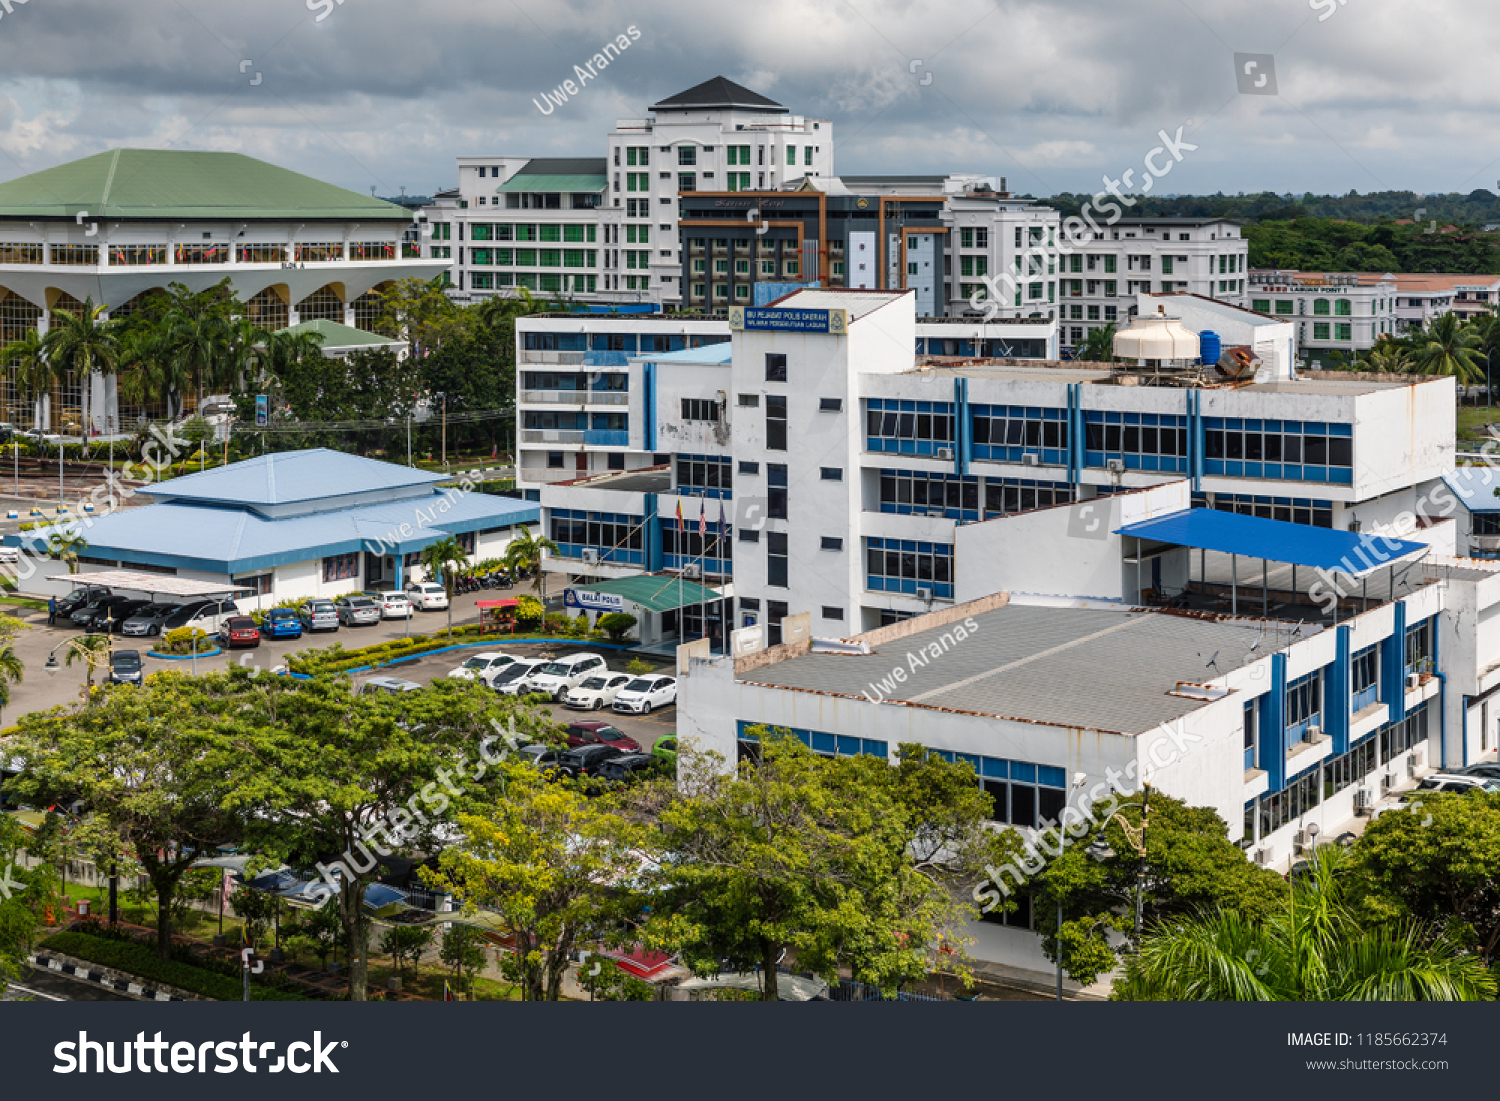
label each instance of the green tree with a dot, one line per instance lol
(405, 945)
(33, 372)
(93, 651)
(1099, 345)
(1312, 947)
(616, 625)
(1191, 866)
(525, 552)
(154, 770)
(12, 668)
(22, 910)
(442, 560)
(81, 344)
(463, 953)
(537, 862)
(1440, 863)
(65, 544)
(337, 781)
(839, 861)
(1449, 348)
(1387, 356)
(200, 346)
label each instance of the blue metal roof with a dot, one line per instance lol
(1475, 486)
(722, 352)
(1354, 554)
(234, 540)
(291, 476)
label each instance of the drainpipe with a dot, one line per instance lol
(1443, 721)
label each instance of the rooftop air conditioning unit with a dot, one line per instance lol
(1030, 458)
(1262, 857)
(692, 571)
(591, 556)
(1413, 680)
(924, 594)
(1314, 735)
(945, 453)
(1115, 466)
(1362, 801)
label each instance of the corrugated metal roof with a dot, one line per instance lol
(161, 183)
(564, 166)
(1354, 554)
(336, 335)
(291, 476)
(557, 182)
(719, 92)
(232, 540)
(1475, 487)
(1091, 669)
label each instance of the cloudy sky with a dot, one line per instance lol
(1369, 94)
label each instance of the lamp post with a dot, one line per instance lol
(1101, 851)
(442, 397)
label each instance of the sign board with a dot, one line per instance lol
(260, 410)
(593, 602)
(747, 640)
(773, 319)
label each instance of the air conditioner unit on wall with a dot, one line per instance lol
(945, 453)
(692, 570)
(1031, 459)
(1262, 857)
(1413, 680)
(1362, 802)
(924, 594)
(1387, 781)
(591, 556)
(1314, 735)
(1115, 466)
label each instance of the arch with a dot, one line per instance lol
(270, 309)
(133, 305)
(66, 407)
(369, 307)
(18, 316)
(325, 303)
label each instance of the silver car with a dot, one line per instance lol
(318, 615)
(354, 610)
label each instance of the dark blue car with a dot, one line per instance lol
(282, 623)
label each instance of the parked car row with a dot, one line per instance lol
(97, 609)
(580, 681)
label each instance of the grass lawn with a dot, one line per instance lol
(199, 923)
(1473, 418)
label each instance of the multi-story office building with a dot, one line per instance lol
(1332, 312)
(850, 467)
(117, 226)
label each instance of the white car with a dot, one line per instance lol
(395, 606)
(642, 695)
(597, 692)
(510, 680)
(557, 677)
(483, 667)
(429, 596)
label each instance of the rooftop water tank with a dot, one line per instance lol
(1208, 347)
(1156, 337)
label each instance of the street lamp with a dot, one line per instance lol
(1101, 851)
(442, 397)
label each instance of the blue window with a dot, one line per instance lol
(906, 565)
(614, 536)
(908, 492)
(705, 476)
(683, 547)
(1143, 441)
(1003, 433)
(1295, 510)
(820, 742)
(1295, 451)
(1024, 794)
(1365, 677)
(1304, 706)
(908, 427)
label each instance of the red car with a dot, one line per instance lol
(239, 630)
(598, 733)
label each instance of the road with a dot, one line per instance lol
(48, 986)
(39, 690)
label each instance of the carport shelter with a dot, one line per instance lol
(656, 601)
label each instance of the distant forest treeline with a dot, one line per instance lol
(1345, 232)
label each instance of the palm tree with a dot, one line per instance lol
(525, 553)
(34, 374)
(436, 559)
(1314, 949)
(1387, 357)
(65, 546)
(148, 371)
(1099, 345)
(86, 648)
(83, 344)
(200, 347)
(12, 668)
(1450, 349)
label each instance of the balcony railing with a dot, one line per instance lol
(608, 397)
(554, 397)
(551, 435)
(546, 475)
(607, 437)
(533, 356)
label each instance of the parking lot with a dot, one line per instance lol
(40, 690)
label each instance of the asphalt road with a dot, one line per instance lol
(49, 986)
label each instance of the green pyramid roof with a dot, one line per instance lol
(161, 184)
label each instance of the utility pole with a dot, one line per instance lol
(444, 399)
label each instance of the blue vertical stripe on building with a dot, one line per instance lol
(963, 450)
(1393, 665)
(1338, 706)
(1273, 726)
(651, 533)
(1076, 431)
(649, 378)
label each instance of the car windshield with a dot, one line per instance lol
(127, 660)
(640, 684)
(360, 602)
(594, 682)
(608, 733)
(322, 607)
(282, 613)
(477, 663)
(555, 669)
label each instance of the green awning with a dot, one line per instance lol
(654, 592)
(554, 183)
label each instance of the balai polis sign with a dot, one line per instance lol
(771, 319)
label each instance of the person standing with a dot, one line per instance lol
(51, 611)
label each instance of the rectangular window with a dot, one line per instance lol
(775, 367)
(776, 559)
(341, 567)
(749, 467)
(699, 409)
(831, 473)
(1320, 330)
(77, 256)
(687, 154)
(833, 613)
(776, 496)
(1285, 307)
(830, 405)
(775, 422)
(832, 543)
(749, 401)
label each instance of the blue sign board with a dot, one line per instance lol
(774, 319)
(592, 601)
(260, 410)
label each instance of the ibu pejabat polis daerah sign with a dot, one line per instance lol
(772, 319)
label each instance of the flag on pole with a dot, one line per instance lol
(447, 994)
(679, 512)
(702, 519)
(720, 531)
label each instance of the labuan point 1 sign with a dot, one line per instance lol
(771, 319)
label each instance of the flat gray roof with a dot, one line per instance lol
(1084, 668)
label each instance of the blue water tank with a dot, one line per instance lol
(1208, 347)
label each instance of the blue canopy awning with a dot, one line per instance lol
(1355, 554)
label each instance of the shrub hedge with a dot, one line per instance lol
(143, 962)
